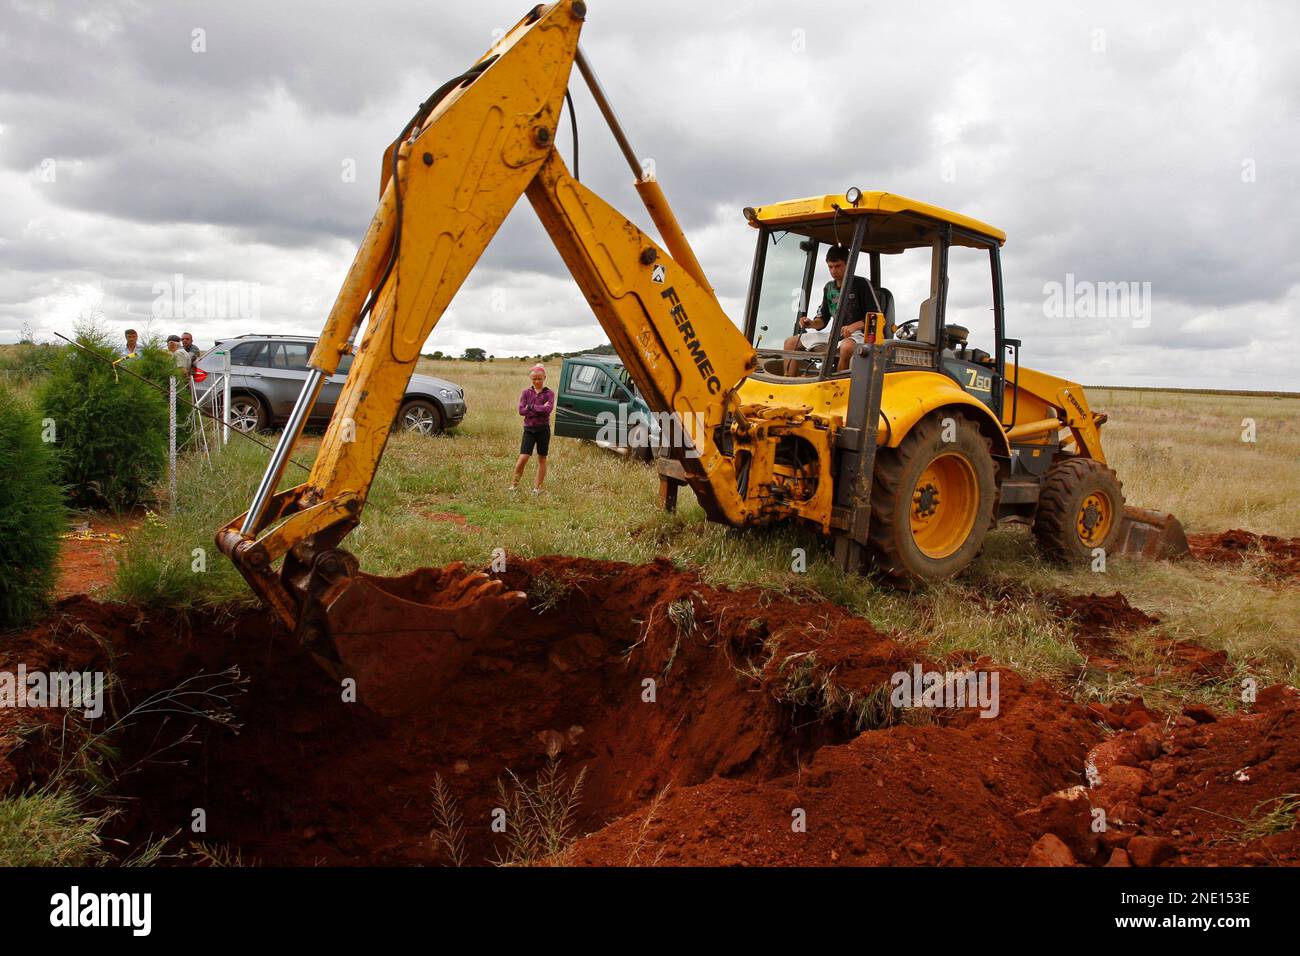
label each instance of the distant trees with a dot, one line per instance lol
(475, 355)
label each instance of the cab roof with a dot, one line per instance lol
(905, 223)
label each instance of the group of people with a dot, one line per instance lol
(182, 348)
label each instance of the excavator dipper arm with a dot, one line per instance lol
(451, 177)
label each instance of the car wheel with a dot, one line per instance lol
(247, 414)
(420, 415)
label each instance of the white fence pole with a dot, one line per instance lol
(171, 439)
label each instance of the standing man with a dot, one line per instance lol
(187, 343)
(132, 349)
(181, 357)
(535, 404)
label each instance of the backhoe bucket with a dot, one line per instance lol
(1152, 534)
(403, 639)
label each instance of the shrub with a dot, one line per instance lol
(32, 513)
(111, 428)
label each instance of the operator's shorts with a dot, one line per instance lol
(814, 339)
(539, 437)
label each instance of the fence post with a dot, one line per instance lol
(171, 439)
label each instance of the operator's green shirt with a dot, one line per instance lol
(859, 302)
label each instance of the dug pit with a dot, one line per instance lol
(711, 726)
(639, 674)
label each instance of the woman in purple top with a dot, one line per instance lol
(535, 404)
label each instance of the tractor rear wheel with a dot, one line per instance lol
(932, 501)
(1080, 509)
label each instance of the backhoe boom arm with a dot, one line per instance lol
(451, 178)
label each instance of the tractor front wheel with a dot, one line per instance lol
(1080, 509)
(932, 501)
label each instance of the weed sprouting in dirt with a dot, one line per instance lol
(219, 855)
(448, 823)
(549, 591)
(681, 613)
(540, 817)
(1283, 815)
(807, 685)
(50, 827)
(203, 697)
(641, 838)
(54, 826)
(799, 671)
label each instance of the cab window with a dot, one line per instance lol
(782, 297)
(970, 300)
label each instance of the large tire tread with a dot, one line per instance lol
(1067, 483)
(891, 546)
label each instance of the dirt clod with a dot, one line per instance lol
(1279, 558)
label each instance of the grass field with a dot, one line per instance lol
(447, 498)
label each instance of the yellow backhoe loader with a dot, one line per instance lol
(904, 445)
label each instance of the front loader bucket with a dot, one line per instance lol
(403, 639)
(1152, 534)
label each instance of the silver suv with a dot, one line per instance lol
(267, 373)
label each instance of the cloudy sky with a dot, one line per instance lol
(1152, 144)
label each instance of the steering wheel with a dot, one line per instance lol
(907, 330)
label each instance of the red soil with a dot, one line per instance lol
(1279, 558)
(1098, 619)
(87, 554)
(741, 735)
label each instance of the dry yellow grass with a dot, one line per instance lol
(1184, 453)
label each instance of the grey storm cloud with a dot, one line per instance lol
(1111, 142)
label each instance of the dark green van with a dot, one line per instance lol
(597, 400)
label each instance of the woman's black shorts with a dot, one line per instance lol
(539, 437)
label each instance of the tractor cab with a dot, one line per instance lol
(933, 289)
